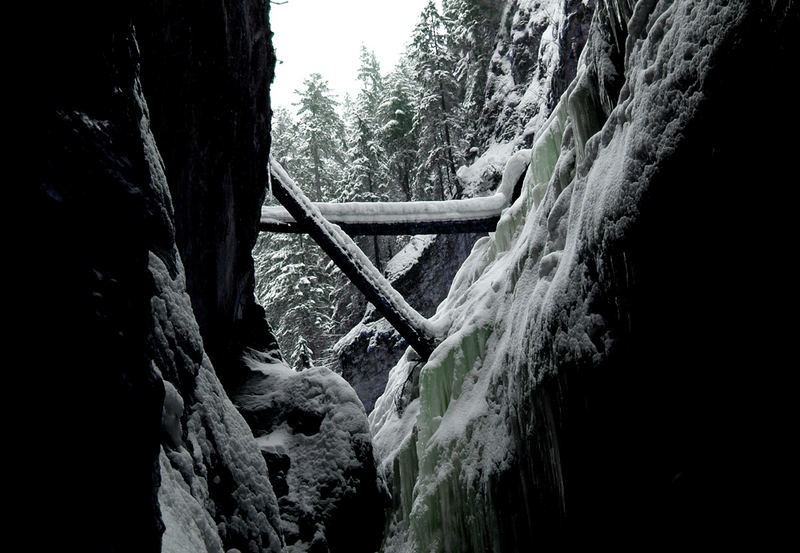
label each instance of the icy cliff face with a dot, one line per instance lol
(588, 390)
(535, 58)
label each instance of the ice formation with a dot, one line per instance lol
(421, 272)
(475, 442)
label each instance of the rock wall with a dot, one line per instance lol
(89, 446)
(143, 449)
(207, 68)
(535, 58)
(606, 350)
(536, 51)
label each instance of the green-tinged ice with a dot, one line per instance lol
(448, 512)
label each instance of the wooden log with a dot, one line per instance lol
(354, 264)
(380, 229)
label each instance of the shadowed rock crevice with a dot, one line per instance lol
(207, 67)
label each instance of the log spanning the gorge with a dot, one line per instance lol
(331, 224)
(412, 326)
(270, 224)
(393, 218)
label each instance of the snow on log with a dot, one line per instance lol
(412, 326)
(269, 224)
(424, 217)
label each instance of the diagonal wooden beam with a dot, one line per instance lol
(412, 326)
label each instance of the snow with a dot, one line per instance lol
(172, 412)
(520, 98)
(207, 438)
(402, 212)
(189, 528)
(406, 258)
(486, 168)
(399, 212)
(526, 290)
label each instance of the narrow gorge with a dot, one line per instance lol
(609, 361)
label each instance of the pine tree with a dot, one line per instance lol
(302, 356)
(365, 151)
(288, 145)
(366, 176)
(292, 285)
(471, 31)
(294, 289)
(397, 131)
(323, 132)
(438, 118)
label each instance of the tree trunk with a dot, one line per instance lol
(405, 183)
(317, 178)
(449, 145)
(378, 263)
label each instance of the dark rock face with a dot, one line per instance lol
(207, 68)
(100, 211)
(138, 438)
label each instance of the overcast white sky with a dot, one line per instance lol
(325, 36)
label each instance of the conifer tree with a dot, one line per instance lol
(438, 118)
(365, 151)
(292, 285)
(471, 30)
(288, 145)
(294, 289)
(366, 176)
(401, 137)
(397, 131)
(302, 356)
(323, 132)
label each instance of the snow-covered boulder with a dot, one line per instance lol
(311, 428)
